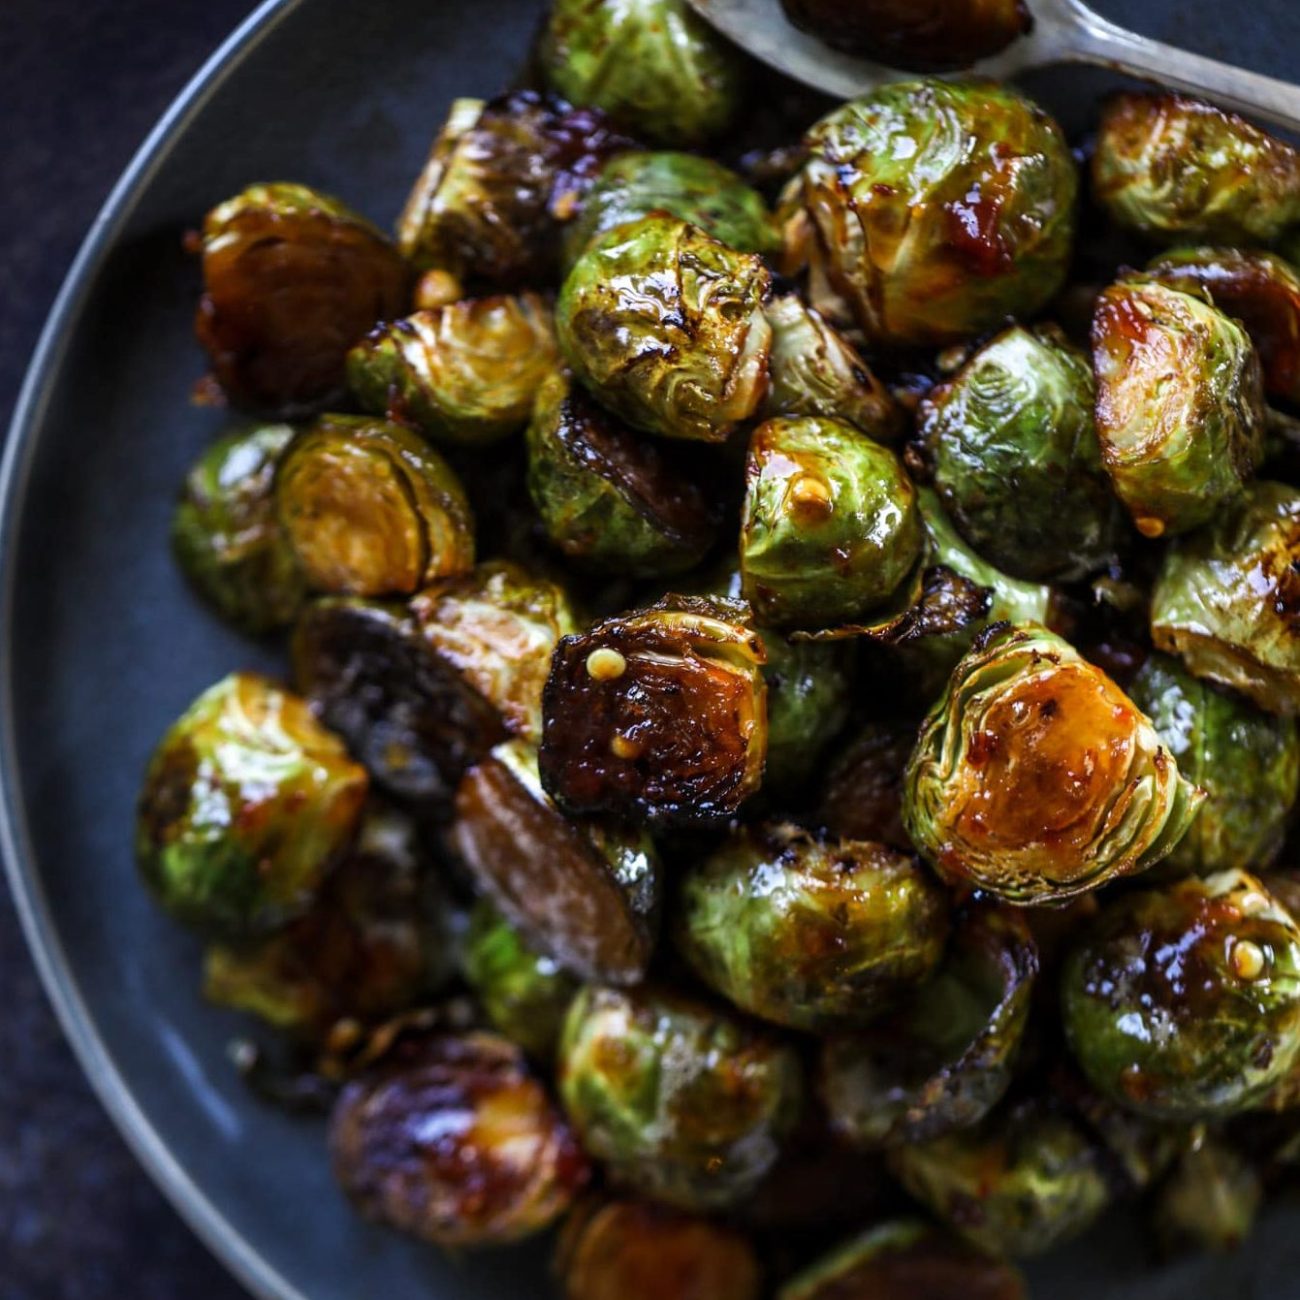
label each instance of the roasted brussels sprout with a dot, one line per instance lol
(607, 496)
(807, 933)
(501, 181)
(586, 894)
(660, 713)
(944, 1058)
(1012, 444)
(1228, 599)
(247, 803)
(452, 1140)
(682, 1101)
(226, 535)
(291, 280)
(1174, 168)
(862, 796)
(830, 528)
(1184, 1003)
(371, 509)
(1210, 1200)
(467, 373)
(808, 694)
(1246, 761)
(632, 1250)
(665, 325)
(1180, 405)
(940, 208)
(1035, 778)
(654, 66)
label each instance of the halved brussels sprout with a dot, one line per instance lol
(586, 894)
(654, 66)
(1246, 761)
(607, 496)
(467, 373)
(1184, 1003)
(247, 803)
(1211, 1199)
(665, 325)
(524, 993)
(1180, 404)
(830, 528)
(1035, 778)
(661, 713)
(291, 280)
(943, 1059)
(1228, 599)
(632, 1250)
(1174, 168)
(452, 1140)
(1025, 1180)
(807, 933)
(862, 796)
(226, 535)
(501, 181)
(941, 208)
(906, 1259)
(682, 1101)
(1012, 444)
(371, 509)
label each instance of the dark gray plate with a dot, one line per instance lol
(106, 646)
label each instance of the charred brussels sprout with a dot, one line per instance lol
(607, 496)
(247, 803)
(941, 208)
(1210, 1200)
(1035, 778)
(1184, 1003)
(1013, 447)
(371, 509)
(1174, 168)
(830, 528)
(1228, 599)
(226, 535)
(453, 1141)
(682, 1101)
(1246, 761)
(654, 66)
(466, 373)
(291, 280)
(863, 791)
(659, 713)
(665, 325)
(811, 934)
(1180, 406)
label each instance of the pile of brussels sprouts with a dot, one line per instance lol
(791, 741)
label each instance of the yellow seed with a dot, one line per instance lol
(624, 747)
(606, 665)
(1247, 960)
(810, 492)
(437, 289)
(1150, 527)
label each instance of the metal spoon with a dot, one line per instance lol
(1064, 31)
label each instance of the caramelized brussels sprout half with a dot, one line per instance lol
(452, 1140)
(1228, 599)
(608, 498)
(585, 894)
(665, 326)
(1174, 168)
(371, 509)
(1035, 778)
(862, 795)
(247, 803)
(943, 1059)
(1013, 447)
(807, 933)
(467, 373)
(660, 714)
(291, 280)
(654, 66)
(1184, 1003)
(1180, 405)
(940, 208)
(681, 1101)
(830, 528)
(226, 535)
(1246, 761)
(1210, 1200)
